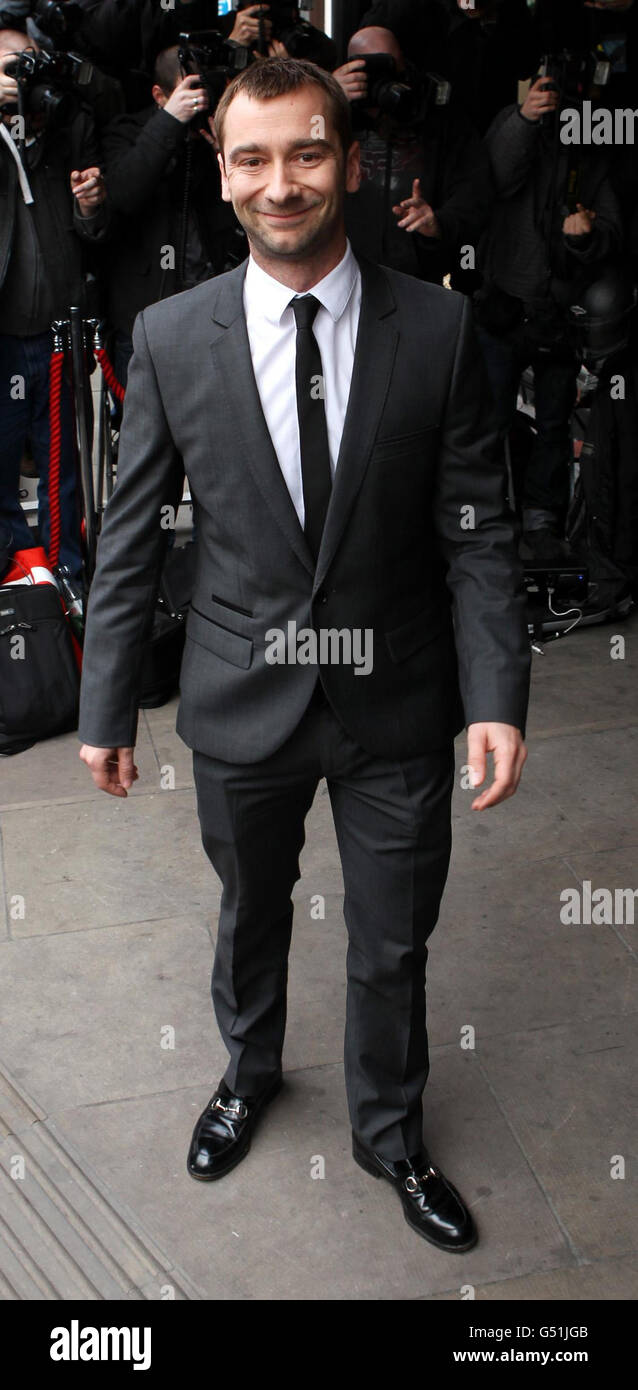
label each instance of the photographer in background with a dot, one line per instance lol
(483, 47)
(282, 32)
(171, 228)
(545, 244)
(53, 195)
(56, 26)
(123, 37)
(426, 187)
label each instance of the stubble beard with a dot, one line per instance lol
(311, 240)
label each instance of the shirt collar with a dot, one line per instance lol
(271, 299)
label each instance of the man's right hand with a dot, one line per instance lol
(112, 769)
(8, 85)
(540, 99)
(181, 102)
(353, 78)
(246, 27)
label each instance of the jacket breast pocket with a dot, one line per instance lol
(222, 641)
(413, 443)
(417, 632)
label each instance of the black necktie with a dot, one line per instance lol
(313, 430)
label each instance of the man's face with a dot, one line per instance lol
(284, 172)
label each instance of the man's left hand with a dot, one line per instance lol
(417, 216)
(276, 49)
(505, 742)
(87, 187)
(579, 223)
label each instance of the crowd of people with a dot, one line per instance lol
(111, 190)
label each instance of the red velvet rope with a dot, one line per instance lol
(109, 375)
(55, 444)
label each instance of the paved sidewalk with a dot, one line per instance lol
(109, 1046)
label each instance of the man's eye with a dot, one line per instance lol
(310, 155)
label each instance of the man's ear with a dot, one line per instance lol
(159, 97)
(225, 185)
(353, 167)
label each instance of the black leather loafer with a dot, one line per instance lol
(431, 1205)
(223, 1133)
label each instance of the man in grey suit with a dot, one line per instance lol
(357, 601)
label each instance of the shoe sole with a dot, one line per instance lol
(228, 1167)
(438, 1245)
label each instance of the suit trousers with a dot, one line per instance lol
(393, 827)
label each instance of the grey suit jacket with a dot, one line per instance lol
(418, 547)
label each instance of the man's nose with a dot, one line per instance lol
(281, 184)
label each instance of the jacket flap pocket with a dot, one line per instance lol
(422, 628)
(231, 646)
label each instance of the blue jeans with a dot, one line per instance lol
(546, 486)
(27, 418)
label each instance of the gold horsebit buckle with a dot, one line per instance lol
(236, 1109)
(412, 1183)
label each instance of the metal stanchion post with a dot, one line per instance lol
(81, 388)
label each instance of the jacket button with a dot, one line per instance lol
(322, 596)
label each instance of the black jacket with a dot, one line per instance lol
(532, 172)
(146, 156)
(445, 603)
(452, 164)
(63, 235)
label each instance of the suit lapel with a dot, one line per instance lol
(375, 350)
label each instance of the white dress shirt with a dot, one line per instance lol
(272, 334)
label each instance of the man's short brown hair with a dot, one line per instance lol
(273, 77)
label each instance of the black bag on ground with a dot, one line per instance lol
(163, 651)
(39, 678)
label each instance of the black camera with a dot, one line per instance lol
(386, 88)
(48, 83)
(407, 96)
(215, 59)
(284, 20)
(575, 76)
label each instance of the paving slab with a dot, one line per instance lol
(501, 959)
(61, 1234)
(570, 1096)
(90, 1009)
(575, 682)
(102, 862)
(590, 781)
(87, 1013)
